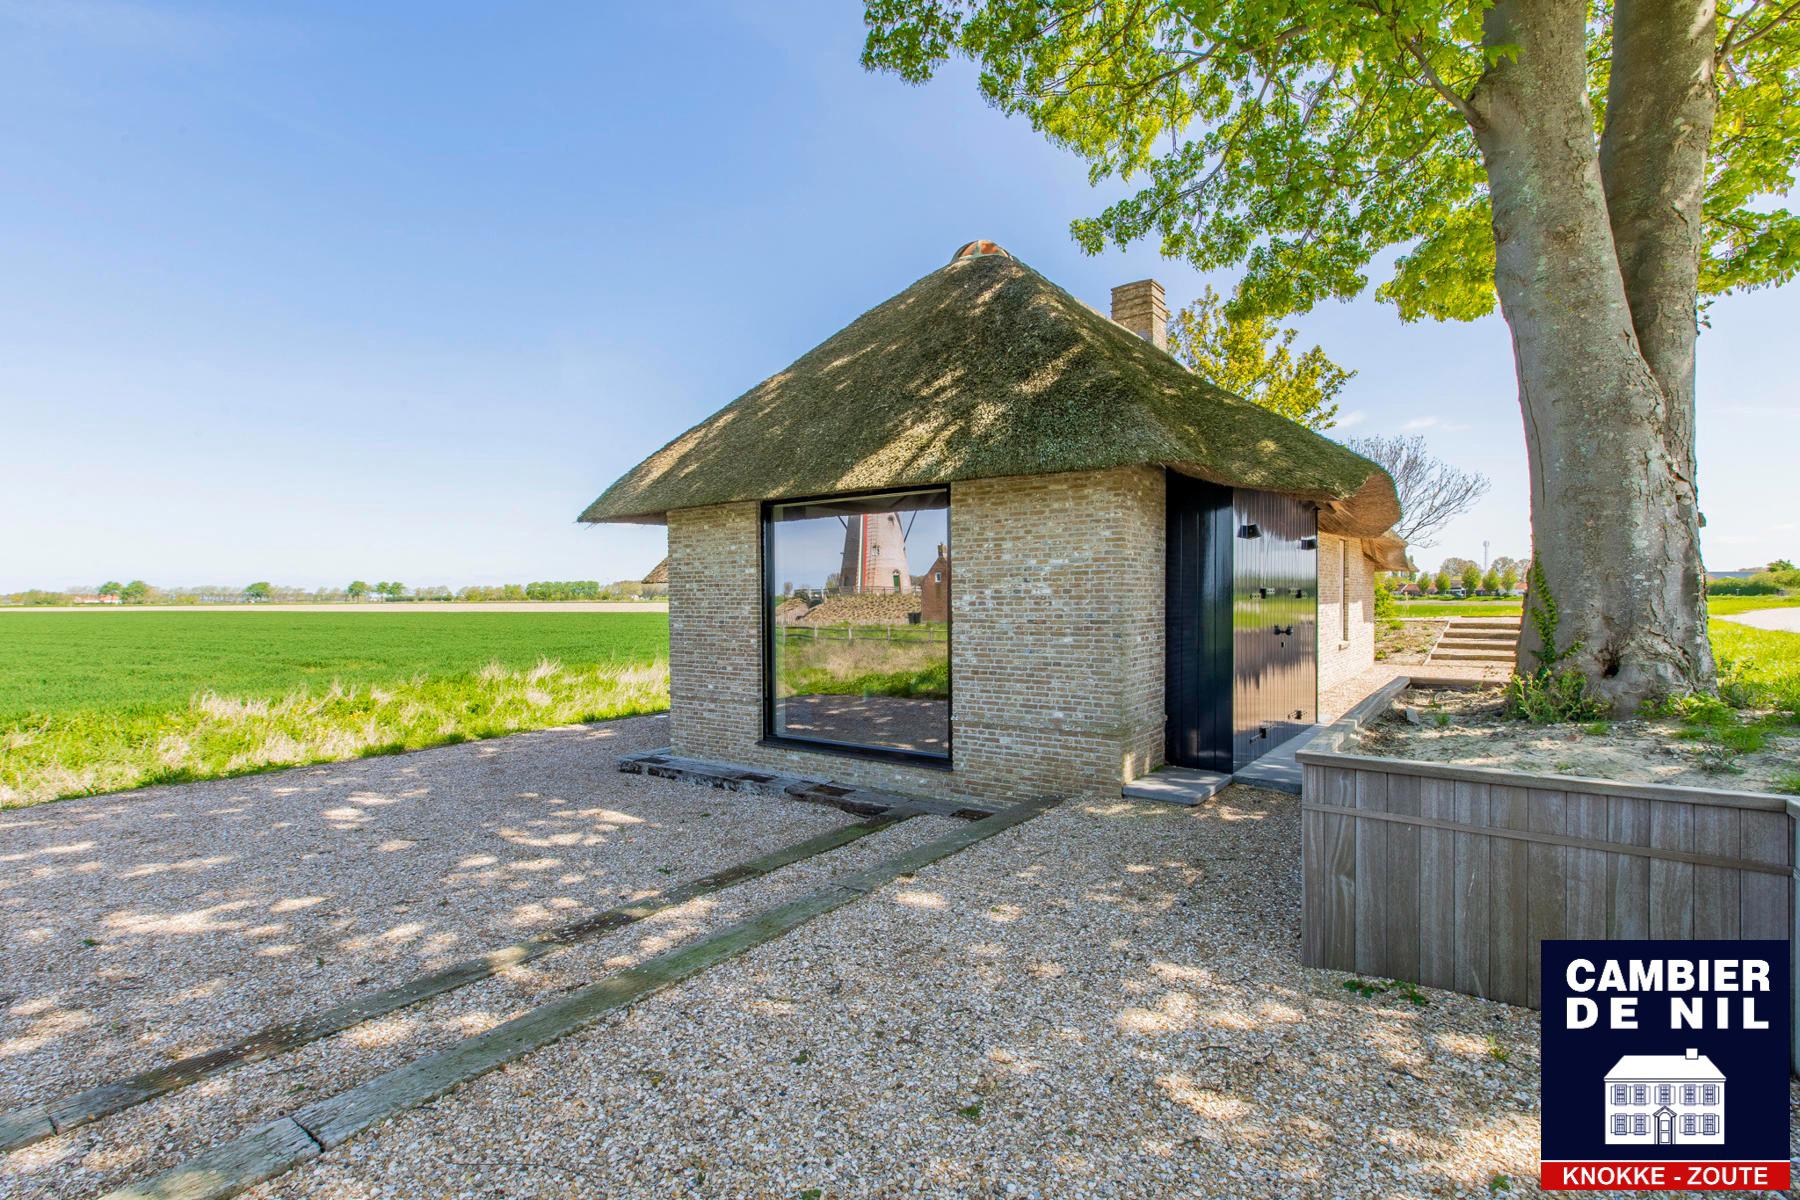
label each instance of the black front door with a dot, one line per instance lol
(1197, 711)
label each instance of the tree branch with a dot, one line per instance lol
(1730, 42)
(1456, 99)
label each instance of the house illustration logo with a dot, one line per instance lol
(1665, 1100)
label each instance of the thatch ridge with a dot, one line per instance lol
(985, 369)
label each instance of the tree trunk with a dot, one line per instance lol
(1614, 524)
(1660, 103)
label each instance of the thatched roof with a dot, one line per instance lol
(1387, 552)
(659, 573)
(980, 370)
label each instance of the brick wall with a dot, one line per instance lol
(1057, 630)
(715, 634)
(1056, 645)
(1341, 659)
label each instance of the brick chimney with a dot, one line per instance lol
(1140, 308)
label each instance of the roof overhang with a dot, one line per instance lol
(1387, 551)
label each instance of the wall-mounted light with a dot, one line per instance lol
(1249, 531)
(1309, 543)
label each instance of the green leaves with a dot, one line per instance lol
(1292, 137)
(1253, 357)
(1755, 133)
(1298, 139)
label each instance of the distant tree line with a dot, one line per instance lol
(1778, 577)
(550, 589)
(264, 592)
(1503, 576)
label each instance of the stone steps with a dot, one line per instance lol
(1477, 641)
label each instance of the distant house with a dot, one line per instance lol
(1665, 1100)
(1148, 569)
(934, 588)
(93, 598)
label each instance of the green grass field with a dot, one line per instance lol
(1718, 606)
(880, 660)
(1724, 606)
(1456, 608)
(1758, 667)
(99, 702)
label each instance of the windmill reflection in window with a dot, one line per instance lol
(857, 600)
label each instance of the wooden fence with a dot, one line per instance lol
(1450, 876)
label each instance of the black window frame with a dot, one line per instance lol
(765, 556)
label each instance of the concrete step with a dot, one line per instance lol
(1472, 642)
(1485, 656)
(1484, 622)
(1176, 785)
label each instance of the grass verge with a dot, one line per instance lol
(61, 754)
(1457, 608)
(1718, 606)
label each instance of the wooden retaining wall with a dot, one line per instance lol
(1449, 876)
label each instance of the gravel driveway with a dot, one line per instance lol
(1102, 1002)
(217, 908)
(149, 924)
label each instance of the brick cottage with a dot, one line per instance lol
(988, 543)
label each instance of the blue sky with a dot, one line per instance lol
(315, 292)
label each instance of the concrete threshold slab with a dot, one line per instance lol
(279, 1146)
(1176, 785)
(1277, 770)
(733, 777)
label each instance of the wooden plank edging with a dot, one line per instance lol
(1551, 839)
(280, 1145)
(1323, 750)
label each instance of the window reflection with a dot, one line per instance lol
(858, 593)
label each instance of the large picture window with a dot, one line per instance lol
(857, 599)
